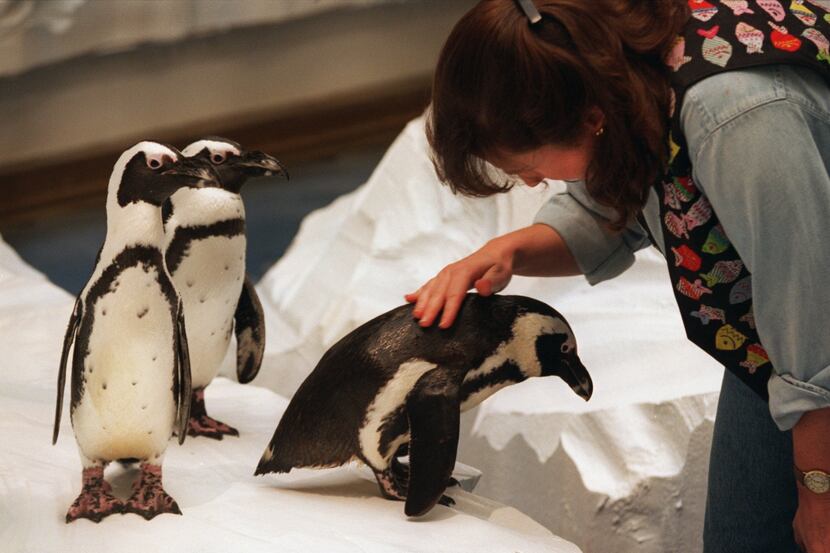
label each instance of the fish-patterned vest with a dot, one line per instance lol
(712, 285)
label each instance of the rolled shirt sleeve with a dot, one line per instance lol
(764, 168)
(582, 223)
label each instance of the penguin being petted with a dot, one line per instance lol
(205, 254)
(130, 384)
(392, 387)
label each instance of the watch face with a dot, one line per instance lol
(817, 481)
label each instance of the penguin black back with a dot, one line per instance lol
(321, 426)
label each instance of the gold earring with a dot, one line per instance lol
(600, 131)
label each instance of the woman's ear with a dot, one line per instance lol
(595, 121)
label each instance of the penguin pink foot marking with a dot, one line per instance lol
(96, 500)
(200, 424)
(391, 485)
(149, 498)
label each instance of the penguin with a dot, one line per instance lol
(391, 388)
(130, 384)
(205, 254)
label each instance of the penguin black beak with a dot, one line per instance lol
(194, 172)
(258, 164)
(580, 381)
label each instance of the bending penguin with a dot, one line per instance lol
(130, 382)
(391, 387)
(205, 254)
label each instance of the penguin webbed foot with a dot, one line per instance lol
(96, 501)
(446, 501)
(149, 498)
(202, 424)
(392, 485)
(209, 427)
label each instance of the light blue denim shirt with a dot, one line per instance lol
(759, 142)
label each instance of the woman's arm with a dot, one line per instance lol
(537, 250)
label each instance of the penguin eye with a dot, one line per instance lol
(154, 163)
(565, 348)
(217, 158)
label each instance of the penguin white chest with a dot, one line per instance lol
(209, 280)
(127, 406)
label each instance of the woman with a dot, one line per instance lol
(701, 129)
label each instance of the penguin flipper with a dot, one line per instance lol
(434, 411)
(250, 333)
(185, 383)
(68, 340)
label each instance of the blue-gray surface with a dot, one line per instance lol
(64, 246)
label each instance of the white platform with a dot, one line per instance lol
(225, 507)
(624, 472)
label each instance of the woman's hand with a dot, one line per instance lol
(812, 521)
(488, 269)
(537, 250)
(811, 450)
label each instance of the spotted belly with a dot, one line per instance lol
(209, 280)
(127, 405)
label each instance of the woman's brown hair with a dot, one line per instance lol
(504, 85)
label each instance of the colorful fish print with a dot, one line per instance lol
(803, 13)
(738, 7)
(715, 49)
(692, 290)
(685, 188)
(674, 149)
(702, 10)
(728, 339)
(670, 196)
(750, 37)
(741, 291)
(749, 318)
(677, 57)
(698, 214)
(773, 8)
(821, 42)
(707, 314)
(677, 191)
(716, 241)
(686, 258)
(756, 356)
(782, 39)
(723, 272)
(676, 225)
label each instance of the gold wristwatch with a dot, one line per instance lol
(817, 481)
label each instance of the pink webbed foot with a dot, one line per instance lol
(200, 424)
(149, 498)
(96, 500)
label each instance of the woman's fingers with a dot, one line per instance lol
(422, 299)
(483, 286)
(434, 304)
(495, 279)
(412, 297)
(452, 303)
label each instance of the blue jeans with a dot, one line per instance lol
(752, 497)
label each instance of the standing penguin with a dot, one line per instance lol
(205, 254)
(130, 367)
(391, 386)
